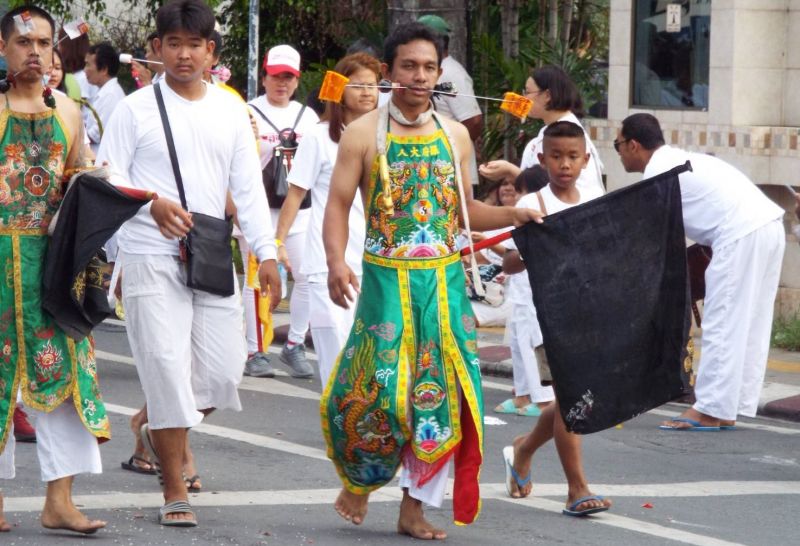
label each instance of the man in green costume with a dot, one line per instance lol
(55, 375)
(406, 388)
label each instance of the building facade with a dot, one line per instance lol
(722, 77)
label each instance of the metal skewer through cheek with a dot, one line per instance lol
(385, 86)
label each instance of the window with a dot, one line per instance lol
(670, 53)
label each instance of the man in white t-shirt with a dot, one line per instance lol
(723, 209)
(461, 107)
(102, 65)
(275, 112)
(188, 345)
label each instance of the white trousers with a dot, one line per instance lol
(63, 445)
(330, 326)
(524, 336)
(188, 345)
(741, 284)
(432, 493)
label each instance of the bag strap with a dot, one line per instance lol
(173, 156)
(260, 113)
(542, 208)
(278, 131)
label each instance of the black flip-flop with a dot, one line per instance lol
(133, 467)
(190, 483)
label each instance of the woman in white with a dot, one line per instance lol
(311, 171)
(555, 98)
(281, 76)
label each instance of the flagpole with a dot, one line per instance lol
(252, 52)
(486, 243)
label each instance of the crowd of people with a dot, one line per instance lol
(368, 207)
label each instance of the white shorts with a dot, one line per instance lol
(188, 345)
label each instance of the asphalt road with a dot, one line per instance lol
(267, 481)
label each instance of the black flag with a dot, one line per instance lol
(92, 211)
(610, 288)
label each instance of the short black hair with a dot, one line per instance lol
(564, 94)
(150, 37)
(7, 22)
(532, 179)
(408, 33)
(192, 16)
(216, 37)
(564, 129)
(644, 129)
(105, 57)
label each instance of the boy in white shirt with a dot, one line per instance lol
(564, 156)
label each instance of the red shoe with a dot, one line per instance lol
(23, 430)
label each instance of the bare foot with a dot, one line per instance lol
(192, 478)
(412, 521)
(4, 525)
(68, 517)
(522, 466)
(351, 506)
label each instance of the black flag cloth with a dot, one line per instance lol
(610, 289)
(92, 211)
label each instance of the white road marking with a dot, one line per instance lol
(492, 491)
(286, 389)
(242, 436)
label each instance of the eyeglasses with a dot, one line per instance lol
(618, 143)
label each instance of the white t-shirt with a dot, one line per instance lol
(216, 153)
(590, 178)
(720, 204)
(104, 103)
(459, 107)
(519, 287)
(311, 170)
(282, 118)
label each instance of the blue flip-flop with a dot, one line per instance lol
(507, 406)
(571, 510)
(511, 474)
(695, 426)
(531, 410)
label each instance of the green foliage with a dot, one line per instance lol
(786, 333)
(495, 73)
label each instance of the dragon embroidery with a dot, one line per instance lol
(365, 426)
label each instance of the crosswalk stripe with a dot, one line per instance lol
(241, 436)
(493, 491)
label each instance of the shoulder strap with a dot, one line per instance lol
(173, 156)
(542, 208)
(299, 115)
(260, 113)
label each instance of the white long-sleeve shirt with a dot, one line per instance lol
(216, 153)
(104, 103)
(720, 204)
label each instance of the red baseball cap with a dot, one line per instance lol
(282, 58)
